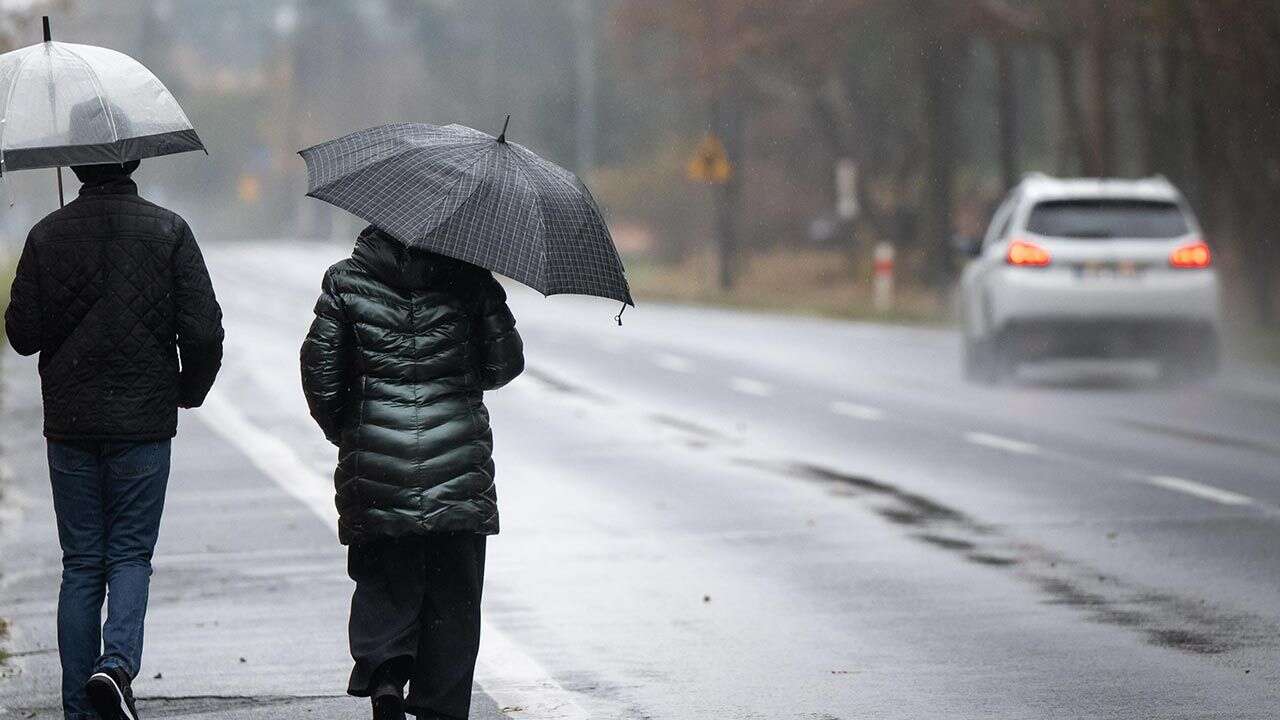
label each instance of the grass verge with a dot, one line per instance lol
(808, 282)
(1258, 345)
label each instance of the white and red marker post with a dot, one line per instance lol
(882, 278)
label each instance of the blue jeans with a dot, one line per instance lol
(108, 497)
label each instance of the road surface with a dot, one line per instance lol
(714, 514)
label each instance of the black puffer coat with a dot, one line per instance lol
(113, 293)
(395, 366)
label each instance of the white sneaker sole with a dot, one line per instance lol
(106, 696)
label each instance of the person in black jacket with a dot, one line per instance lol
(113, 293)
(404, 344)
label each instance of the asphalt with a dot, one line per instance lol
(717, 514)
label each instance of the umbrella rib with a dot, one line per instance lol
(377, 163)
(102, 91)
(542, 211)
(13, 85)
(580, 230)
(445, 198)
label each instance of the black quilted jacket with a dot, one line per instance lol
(395, 366)
(113, 293)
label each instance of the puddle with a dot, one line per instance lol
(941, 541)
(1161, 619)
(687, 426)
(555, 384)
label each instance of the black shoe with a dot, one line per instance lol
(388, 703)
(110, 694)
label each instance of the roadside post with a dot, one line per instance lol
(882, 279)
(710, 165)
(847, 189)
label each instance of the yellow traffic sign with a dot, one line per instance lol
(710, 163)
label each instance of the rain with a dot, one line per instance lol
(568, 359)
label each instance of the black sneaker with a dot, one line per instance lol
(388, 703)
(110, 694)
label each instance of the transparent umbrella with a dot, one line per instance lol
(69, 104)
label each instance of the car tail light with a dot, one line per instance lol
(1191, 255)
(1026, 254)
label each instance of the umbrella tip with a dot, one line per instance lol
(503, 137)
(48, 37)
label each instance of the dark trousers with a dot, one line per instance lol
(108, 498)
(415, 618)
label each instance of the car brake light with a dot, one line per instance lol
(1027, 254)
(1192, 255)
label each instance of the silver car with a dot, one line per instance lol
(1090, 268)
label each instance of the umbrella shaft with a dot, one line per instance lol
(61, 203)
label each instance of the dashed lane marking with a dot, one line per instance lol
(854, 410)
(1200, 490)
(747, 386)
(999, 442)
(674, 363)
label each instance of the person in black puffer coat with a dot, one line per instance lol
(403, 346)
(113, 293)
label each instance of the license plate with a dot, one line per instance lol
(1108, 270)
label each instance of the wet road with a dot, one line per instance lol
(711, 514)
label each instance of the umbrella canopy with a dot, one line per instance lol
(466, 194)
(68, 104)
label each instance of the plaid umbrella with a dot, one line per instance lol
(463, 193)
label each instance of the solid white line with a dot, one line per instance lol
(1191, 487)
(999, 442)
(506, 673)
(854, 410)
(674, 363)
(747, 386)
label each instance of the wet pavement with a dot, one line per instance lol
(712, 514)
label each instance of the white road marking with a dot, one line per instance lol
(999, 442)
(1200, 490)
(854, 410)
(747, 386)
(674, 363)
(506, 673)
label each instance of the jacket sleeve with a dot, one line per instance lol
(22, 317)
(500, 347)
(199, 322)
(324, 356)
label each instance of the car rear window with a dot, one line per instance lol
(1107, 219)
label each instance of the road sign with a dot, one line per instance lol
(710, 163)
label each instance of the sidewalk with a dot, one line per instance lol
(248, 604)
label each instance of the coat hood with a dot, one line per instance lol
(404, 268)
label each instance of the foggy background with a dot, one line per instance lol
(939, 106)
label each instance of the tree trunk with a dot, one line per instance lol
(1101, 144)
(1073, 118)
(728, 123)
(942, 58)
(1007, 111)
(1150, 113)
